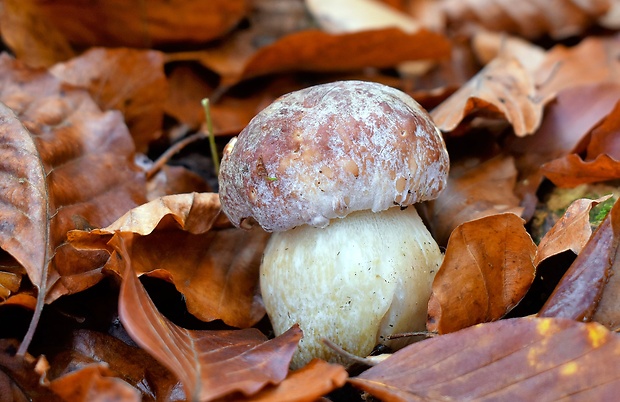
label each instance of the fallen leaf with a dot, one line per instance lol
(517, 359)
(571, 232)
(487, 269)
(594, 60)
(530, 19)
(307, 384)
(567, 121)
(128, 80)
(488, 45)
(580, 289)
(19, 379)
(210, 364)
(485, 189)
(32, 38)
(172, 179)
(605, 137)
(96, 363)
(502, 89)
(94, 382)
(157, 23)
(608, 309)
(186, 240)
(571, 170)
(317, 51)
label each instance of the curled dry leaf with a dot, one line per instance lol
(488, 268)
(488, 45)
(580, 289)
(317, 51)
(605, 138)
(210, 364)
(307, 384)
(502, 89)
(529, 18)
(72, 368)
(20, 379)
(118, 23)
(592, 61)
(571, 232)
(567, 121)
(31, 37)
(472, 193)
(518, 359)
(571, 170)
(186, 240)
(94, 382)
(77, 146)
(131, 81)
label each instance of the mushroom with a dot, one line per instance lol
(330, 170)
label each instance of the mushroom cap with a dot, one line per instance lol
(325, 151)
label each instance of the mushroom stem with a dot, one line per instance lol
(354, 282)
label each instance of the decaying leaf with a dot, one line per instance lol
(474, 192)
(128, 80)
(314, 50)
(571, 170)
(210, 364)
(529, 18)
(307, 384)
(517, 359)
(94, 382)
(502, 89)
(593, 61)
(186, 240)
(32, 38)
(488, 268)
(97, 363)
(579, 292)
(571, 232)
(119, 23)
(20, 379)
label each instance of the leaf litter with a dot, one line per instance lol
(84, 113)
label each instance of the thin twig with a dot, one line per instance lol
(338, 349)
(170, 152)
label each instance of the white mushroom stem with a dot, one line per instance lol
(358, 280)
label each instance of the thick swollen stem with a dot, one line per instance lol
(354, 282)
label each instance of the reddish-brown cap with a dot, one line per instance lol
(328, 150)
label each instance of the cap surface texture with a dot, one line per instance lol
(325, 151)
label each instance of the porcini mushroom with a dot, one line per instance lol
(331, 169)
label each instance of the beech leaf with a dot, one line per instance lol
(571, 232)
(210, 364)
(314, 50)
(502, 89)
(474, 192)
(571, 170)
(517, 359)
(580, 289)
(185, 239)
(488, 268)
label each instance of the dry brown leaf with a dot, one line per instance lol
(567, 121)
(502, 89)
(594, 60)
(608, 309)
(307, 384)
(571, 232)
(571, 170)
(210, 364)
(317, 51)
(488, 268)
(118, 23)
(605, 138)
(489, 45)
(472, 193)
(75, 147)
(20, 380)
(77, 369)
(95, 382)
(527, 18)
(32, 38)
(128, 80)
(171, 180)
(518, 359)
(186, 240)
(580, 289)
